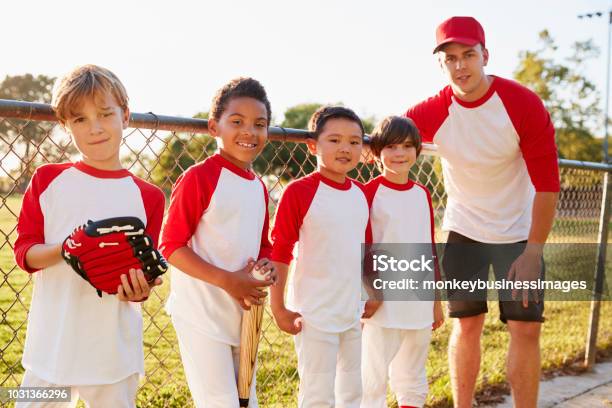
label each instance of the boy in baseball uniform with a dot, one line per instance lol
(326, 215)
(215, 233)
(396, 333)
(75, 338)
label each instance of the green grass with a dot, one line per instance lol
(563, 339)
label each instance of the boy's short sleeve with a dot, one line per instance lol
(154, 203)
(437, 273)
(30, 225)
(30, 230)
(368, 194)
(189, 199)
(292, 208)
(265, 248)
(286, 231)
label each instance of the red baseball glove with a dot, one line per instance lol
(101, 251)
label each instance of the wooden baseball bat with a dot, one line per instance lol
(249, 341)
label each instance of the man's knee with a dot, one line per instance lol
(469, 327)
(525, 332)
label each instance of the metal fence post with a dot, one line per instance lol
(591, 346)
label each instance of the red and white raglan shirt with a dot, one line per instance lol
(496, 153)
(401, 214)
(329, 222)
(75, 337)
(220, 211)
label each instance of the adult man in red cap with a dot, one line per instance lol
(499, 162)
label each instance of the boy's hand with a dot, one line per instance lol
(243, 287)
(139, 289)
(371, 307)
(266, 268)
(288, 321)
(438, 315)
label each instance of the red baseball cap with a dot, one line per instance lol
(464, 30)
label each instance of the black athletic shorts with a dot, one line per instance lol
(471, 262)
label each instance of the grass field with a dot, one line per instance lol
(563, 339)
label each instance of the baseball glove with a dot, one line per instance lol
(101, 251)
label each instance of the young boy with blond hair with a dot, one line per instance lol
(326, 214)
(74, 337)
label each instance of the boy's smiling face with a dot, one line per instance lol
(97, 130)
(338, 148)
(241, 131)
(398, 158)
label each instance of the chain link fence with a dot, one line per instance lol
(159, 148)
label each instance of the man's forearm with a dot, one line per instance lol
(277, 291)
(41, 256)
(542, 218)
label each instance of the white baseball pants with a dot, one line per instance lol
(398, 355)
(329, 367)
(121, 394)
(211, 368)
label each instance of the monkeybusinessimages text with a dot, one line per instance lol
(426, 265)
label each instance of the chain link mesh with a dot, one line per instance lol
(160, 157)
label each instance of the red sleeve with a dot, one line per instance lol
(154, 203)
(265, 248)
(368, 233)
(189, 199)
(429, 115)
(532, 122)
(369, 195)
(292, 208)
(433, 233)
(30, 225)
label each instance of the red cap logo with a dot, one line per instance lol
(464, 30)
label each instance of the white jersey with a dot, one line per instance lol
(221, 212)
(74, 337)
(401, 214)
(329, 222)
(496, 153)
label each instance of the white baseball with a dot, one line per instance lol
(259, 275)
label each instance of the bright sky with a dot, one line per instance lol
(375, 56)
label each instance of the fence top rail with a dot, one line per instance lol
(33, 111)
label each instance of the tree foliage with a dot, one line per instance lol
(33, 142)
(570, 97)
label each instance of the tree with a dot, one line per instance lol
(297, 117)
(33, 142)
(289, 160)
(570, 97)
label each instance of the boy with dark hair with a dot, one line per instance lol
(396, 334)
(215, 233)
(326, 213)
